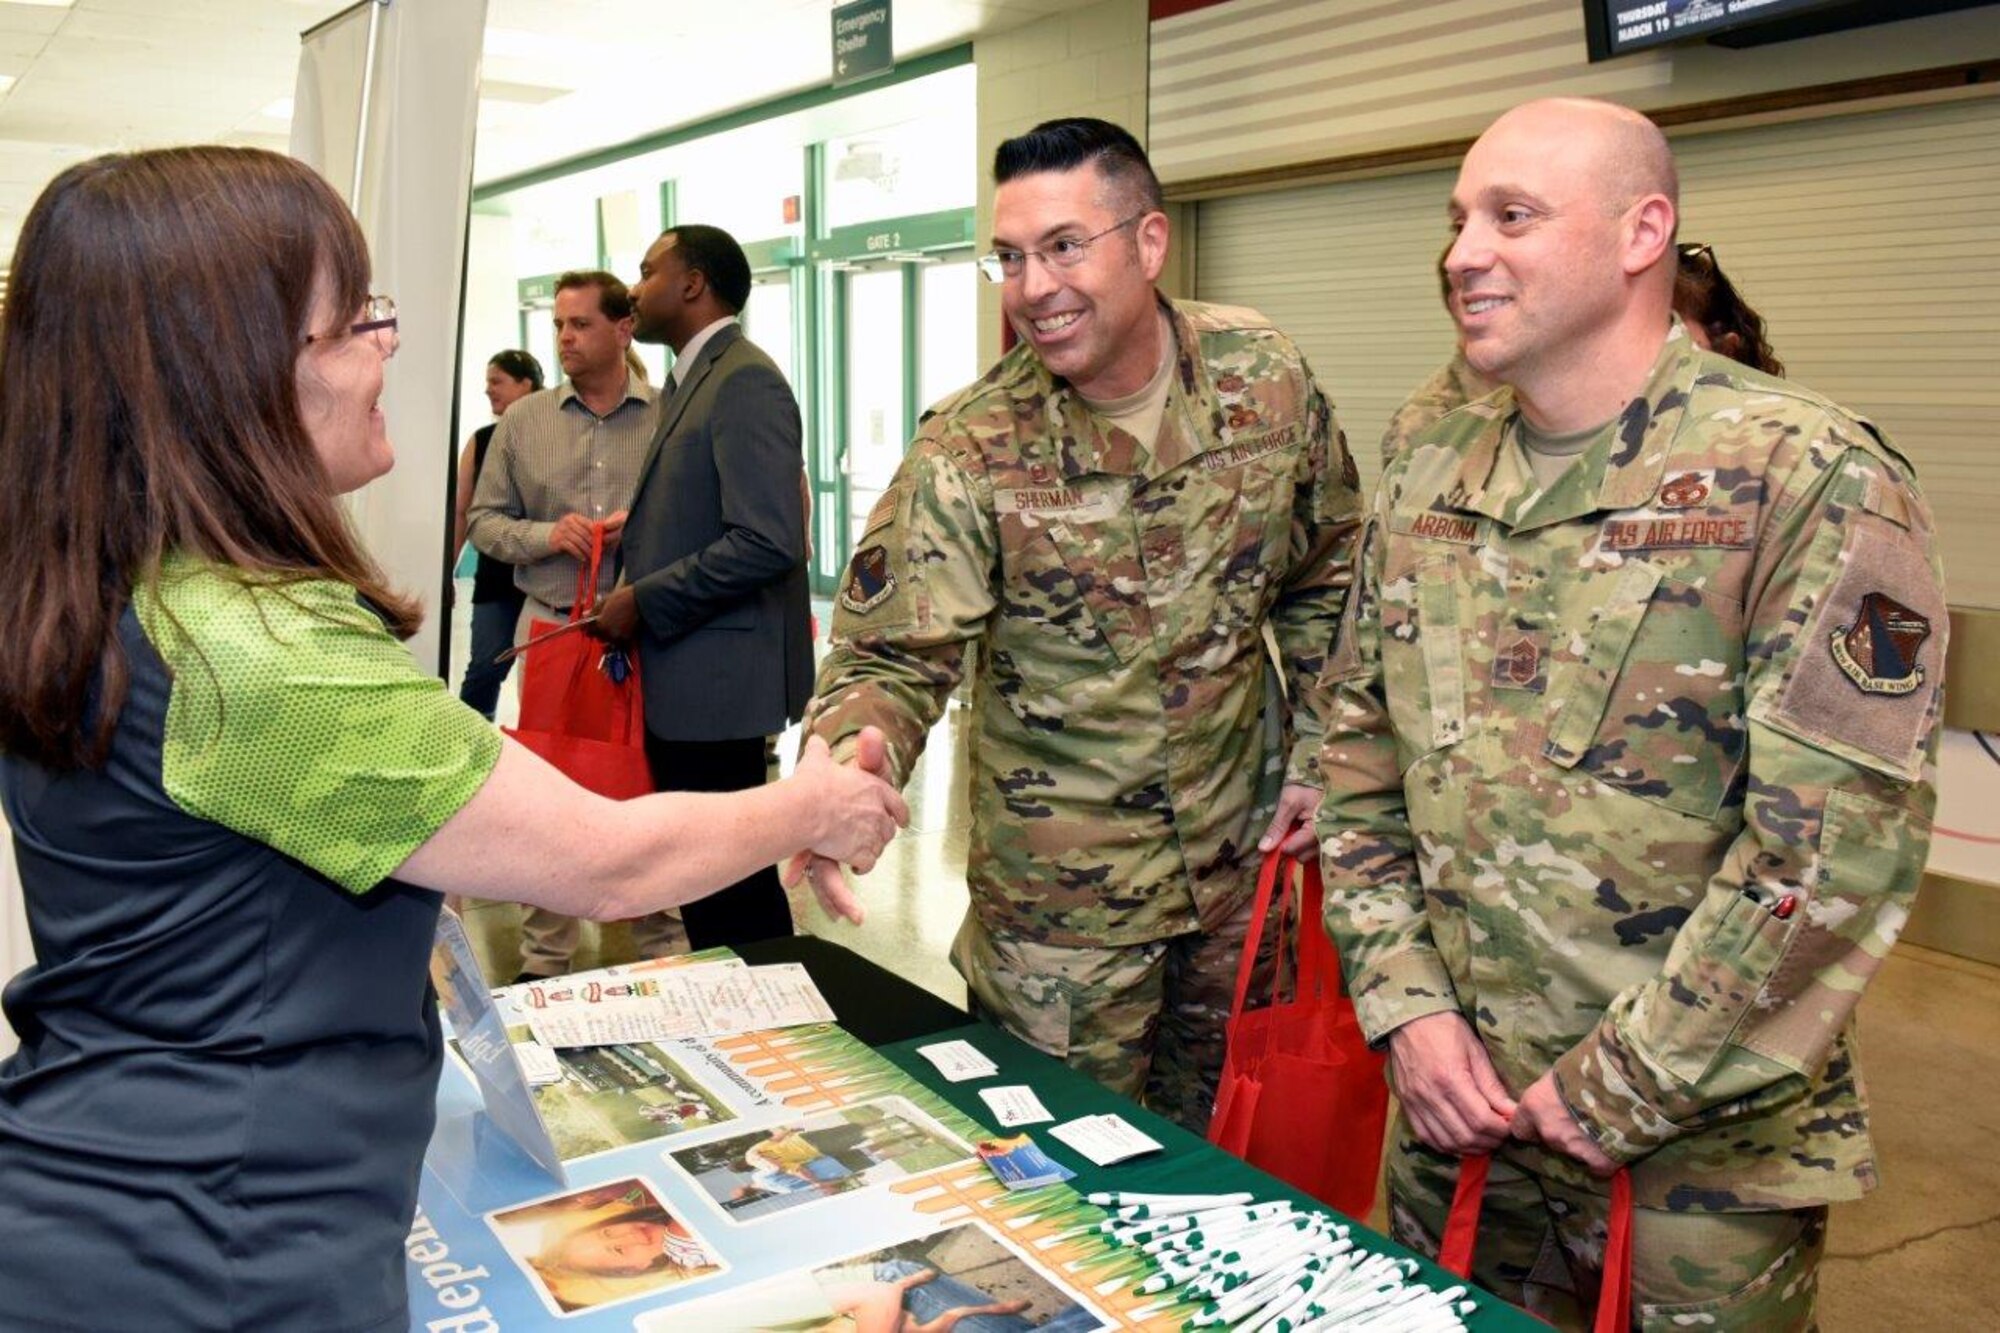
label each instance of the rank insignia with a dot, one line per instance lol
(1518, 664)
(869, 582)
(1687, 490)
(1878, 652)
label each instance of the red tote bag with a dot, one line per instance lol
(1302, 1097)
(1461, 1228)
(580, 704)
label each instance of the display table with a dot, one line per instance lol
(797, 1179)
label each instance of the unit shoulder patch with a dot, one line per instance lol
(1878, 651)
(869, 581)
(1870, 657)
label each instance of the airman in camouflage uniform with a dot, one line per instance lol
(1114, 593)
(1629, 775)
(1451, 387)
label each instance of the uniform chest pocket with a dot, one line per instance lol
(1257, 537)
(1070, 606)
(1654, 708)
(1423, 668)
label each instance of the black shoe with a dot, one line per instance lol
(527, 978)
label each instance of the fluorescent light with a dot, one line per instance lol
(281, 109)
(6, 82)
(44, 4)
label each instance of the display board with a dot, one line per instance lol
(785, 1179)
(748, 1182)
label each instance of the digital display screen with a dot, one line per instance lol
(1618, 26)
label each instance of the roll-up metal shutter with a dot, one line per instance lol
(1870, 243)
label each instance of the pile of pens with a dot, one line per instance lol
(1224, 1260)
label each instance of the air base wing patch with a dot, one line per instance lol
(869, 580)
(1878, 651)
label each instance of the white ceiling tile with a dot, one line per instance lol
(31, 19)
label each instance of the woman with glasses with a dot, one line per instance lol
(234, 797)
(1716, 315)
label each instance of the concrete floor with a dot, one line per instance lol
(1922, 1252)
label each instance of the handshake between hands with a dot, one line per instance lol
(855, 814)
(1457, 1104)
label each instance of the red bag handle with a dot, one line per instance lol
(1614, 1293)
(1317, 966)
(1461, 1225)
(1268, 878)
(586, 577)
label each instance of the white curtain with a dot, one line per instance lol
(396, 82)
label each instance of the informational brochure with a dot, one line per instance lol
(671, 1004)
(1020, 1164)
(1015, 1104)
(958, 1060)
(1105, 1139)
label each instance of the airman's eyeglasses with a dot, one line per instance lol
(1063, 252)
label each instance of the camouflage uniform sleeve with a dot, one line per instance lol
(1374, 895)
(917, 591)
(1844, 651)
(1326, 520)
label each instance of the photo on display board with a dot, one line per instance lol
(612, 1096)
(604, 1244)
(965, 1276)
(806, 1159)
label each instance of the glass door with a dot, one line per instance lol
(901, 332)
(947, 328)
(772, 320)
(878, 356)
(767, 321)
(537, 298)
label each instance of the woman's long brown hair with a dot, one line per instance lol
(149, 404)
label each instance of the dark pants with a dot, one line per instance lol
(752, 908)
(492, 635)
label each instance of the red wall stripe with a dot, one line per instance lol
(1166, 9)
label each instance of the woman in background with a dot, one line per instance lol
(1716, 315)
(234, 796)
(496, 603)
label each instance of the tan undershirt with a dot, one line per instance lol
(1139, 414)
(1549, 456)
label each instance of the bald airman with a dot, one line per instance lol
(1628, 771)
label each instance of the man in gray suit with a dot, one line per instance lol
(714, 551)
